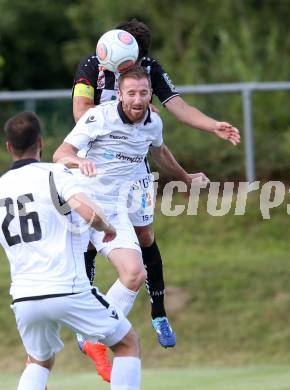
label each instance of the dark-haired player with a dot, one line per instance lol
(94, 85)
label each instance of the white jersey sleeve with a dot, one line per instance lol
(158, 141)
(86, 130)
(65, 182)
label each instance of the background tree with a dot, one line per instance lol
(197, 42)
(33, 36)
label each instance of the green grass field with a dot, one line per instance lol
(250, 378)
(228, 298)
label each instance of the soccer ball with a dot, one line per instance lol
(117, 50)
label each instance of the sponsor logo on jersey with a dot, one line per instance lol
(91, 119)
(134, 159)
(65, 169)
(109, 154)
(114, 315)
(118, 136)
(169, 82)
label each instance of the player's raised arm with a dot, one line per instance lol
(167, 162)
(81, 104)
(83, 88)
(192, 117)
(67, 155)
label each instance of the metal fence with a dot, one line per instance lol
(245, 89)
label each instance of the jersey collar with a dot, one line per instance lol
(126, 120)
(22, 163)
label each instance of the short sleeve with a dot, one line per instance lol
(63, 183)
(87, 71)
(85, 131)
(158, 140)
(162, 86)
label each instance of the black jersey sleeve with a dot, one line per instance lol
(87, 71)
(162, 86)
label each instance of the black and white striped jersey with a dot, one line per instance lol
(104, 82)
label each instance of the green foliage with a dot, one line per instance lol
(57, 121)
(32, 40)
(196, 41)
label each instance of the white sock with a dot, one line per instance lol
(126, 373)
(34, 377)
(122, 297)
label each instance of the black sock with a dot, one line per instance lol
(154, 282)
(90, 262)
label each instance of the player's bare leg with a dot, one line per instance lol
(123, 293)
(126, 372)
(97, 352)
(35, 375)
(132, 274)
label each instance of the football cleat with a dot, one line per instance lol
(99, 354)
(165, 334)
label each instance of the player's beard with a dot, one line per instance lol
(135, 115)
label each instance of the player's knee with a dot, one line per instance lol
(46, 363)
(128, 346)
(145, 235)
(134, 343)
(135, 278)
(142, 276)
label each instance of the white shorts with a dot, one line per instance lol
(126, 236)
(88, 313)
(141, 201)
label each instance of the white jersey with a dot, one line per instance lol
(117, 146)
(45, 255)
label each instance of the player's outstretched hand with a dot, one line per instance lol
(87, 167)
(228, 132)
(110, 234)
(198, 178)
